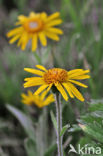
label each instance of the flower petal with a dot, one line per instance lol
(15, 31)
(35, 82)
(68, 89)
(34, 71)
(54, 22)
(34, 42)
(52, 36)
(53, 16)
(78, 83)
(78, 72)
(76, 92)
(41, 67)
(42, 38)
(40, 89)
(55, 31)
(62, 91)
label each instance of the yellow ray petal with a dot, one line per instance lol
(33, 79)
(34, 42)
(22, 18)
(49, 99)
(43, 95)
(41, 67)
(78, 83)
(30, 93)
(74, 71)
(54, 22)
(24, 40)
(23, 95)
(43, 16)
(33, 83)
(66, 86)
(34, 71)
(15, 38)
(32, 14)
(40, 89)
(15, 31)
(42, 38)
(52, 36)
(62, 91)
(55, 31)
(81, 77)
(53, 16)
(78, 73)
(76, 92)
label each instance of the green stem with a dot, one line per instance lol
(59, 123)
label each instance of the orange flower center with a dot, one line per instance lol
(55, 75)
(33, 25)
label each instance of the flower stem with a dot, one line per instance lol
(59, 123)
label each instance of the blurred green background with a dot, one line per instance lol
(28, 130)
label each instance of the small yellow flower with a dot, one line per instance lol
(60, 78)
(38, 100)
(36, 26)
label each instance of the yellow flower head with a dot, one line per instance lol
(60, 78)
(38, 100)
(36, 26)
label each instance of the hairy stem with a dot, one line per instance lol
(59, 123)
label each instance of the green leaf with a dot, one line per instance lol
(74, 128)
(51, 149)
(38, 58)
(94, 130)
(64, 129)
(53, 120)
(24, 120)
(30, 147)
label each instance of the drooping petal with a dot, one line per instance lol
(49, 99)
(66, 86)
(40, 89)
(24, 40)
(15, 31)
(15, 38)
(34, 42)
(78, 83)
(62, 91)
(42, 38)
(76, 92)
(52, 36)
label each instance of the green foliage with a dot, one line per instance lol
(30, 147)
(81, 46)
(53, 120)
(64, 129)
(92, 124)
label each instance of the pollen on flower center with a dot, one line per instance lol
(33, 25)
(55, 75)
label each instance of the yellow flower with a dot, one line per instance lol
(36, 26)
(60, 78)
(38, 100)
